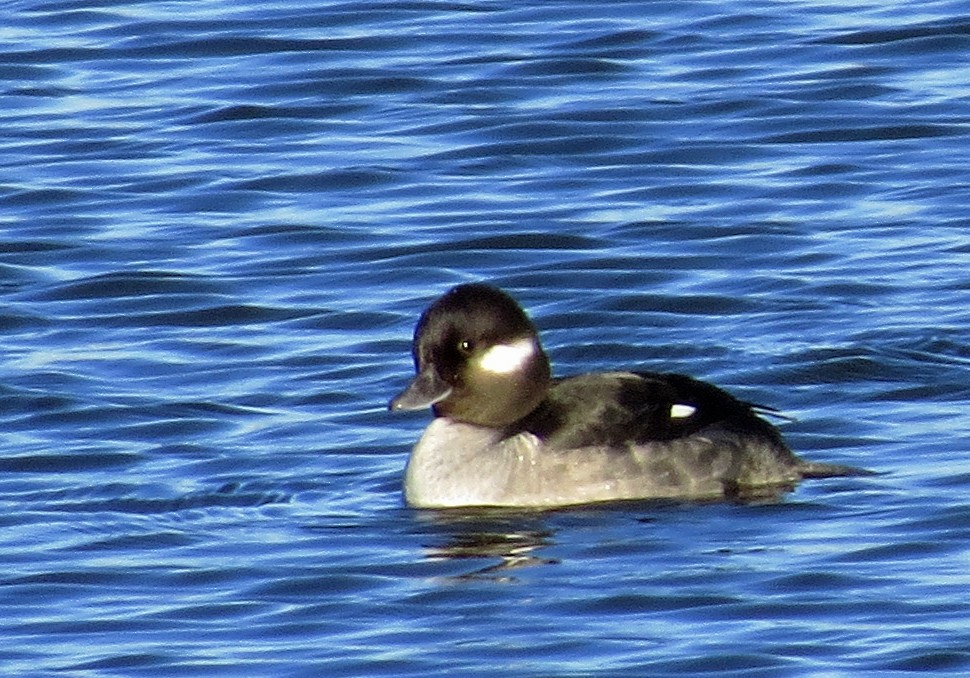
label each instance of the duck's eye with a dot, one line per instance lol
(465, 346)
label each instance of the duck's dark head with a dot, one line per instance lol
(478, 359)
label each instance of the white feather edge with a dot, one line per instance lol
(681, 411)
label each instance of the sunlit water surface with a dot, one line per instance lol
(220, 220)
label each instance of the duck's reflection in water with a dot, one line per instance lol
(511, 539)
(506, 540)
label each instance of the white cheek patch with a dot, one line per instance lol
(507, 358)
(681, 411)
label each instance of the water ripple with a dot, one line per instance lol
(221, 223)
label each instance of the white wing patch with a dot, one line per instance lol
(507, 358)
(681, 411)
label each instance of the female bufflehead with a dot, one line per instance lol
(506, 433)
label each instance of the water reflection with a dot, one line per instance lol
(511, 539)
(506, 540)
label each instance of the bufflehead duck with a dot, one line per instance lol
(506, 433)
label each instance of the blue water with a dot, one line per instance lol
(219, 221)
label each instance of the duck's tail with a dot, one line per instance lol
(814, 469)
